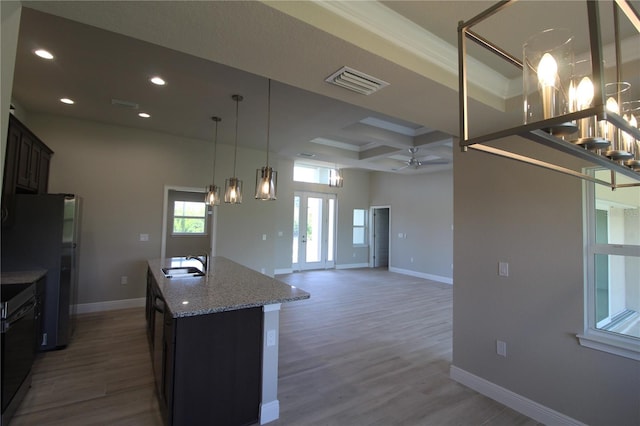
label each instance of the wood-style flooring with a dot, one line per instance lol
(370, 347)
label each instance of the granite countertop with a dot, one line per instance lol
(227, 286)
(22, 277)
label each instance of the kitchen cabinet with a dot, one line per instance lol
(207, 367)
(26, 167)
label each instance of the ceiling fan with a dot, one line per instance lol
(416, 163)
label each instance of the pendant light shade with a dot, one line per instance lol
(335, 178)
(266, 177)
(233, 185)
(266, 182)
(233, 190)
(213, 194)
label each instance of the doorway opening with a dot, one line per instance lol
(188, 224)
(379, 236)
(314, 231)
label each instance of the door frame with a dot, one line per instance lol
(324, 263)
(211, 212)
(372, 210)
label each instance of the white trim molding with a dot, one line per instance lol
(109, 305)
(283, 271)
(269, 411)
(609, 342)
(511, 399)
(352, 265)
(438, 278)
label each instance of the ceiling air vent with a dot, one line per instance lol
(124, 104)
(306, 154)
(356, 81)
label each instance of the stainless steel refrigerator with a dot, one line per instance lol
(45, 235)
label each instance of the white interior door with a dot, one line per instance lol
(313, 231)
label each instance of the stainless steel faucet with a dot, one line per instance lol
(203, 258)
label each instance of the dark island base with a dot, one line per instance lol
(208, 368)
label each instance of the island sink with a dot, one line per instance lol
(182, 272)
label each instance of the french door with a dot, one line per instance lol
(314, 230)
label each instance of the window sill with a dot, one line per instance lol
(627, 347)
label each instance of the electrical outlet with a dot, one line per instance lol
(144, 237)
(271, 338)
(264, 237)
(124, 280)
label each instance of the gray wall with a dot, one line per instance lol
(121, 174)
(421, 207)
(531, 218)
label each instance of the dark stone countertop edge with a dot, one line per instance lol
(22, 277)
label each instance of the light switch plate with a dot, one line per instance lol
(501, 348)
(503, 269)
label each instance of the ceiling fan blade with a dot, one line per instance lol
(400, 168)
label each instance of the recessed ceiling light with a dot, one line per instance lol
(144, 115)
(158, 80)
(67, 101)
(43, 54)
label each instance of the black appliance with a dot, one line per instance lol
(19, 325)
(45, 233)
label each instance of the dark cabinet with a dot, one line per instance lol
(26, 167)
(208, 368)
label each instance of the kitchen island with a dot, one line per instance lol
(214, 341)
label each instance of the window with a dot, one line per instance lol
(310, 173)
(189, 218)
(612, 314)
(359, 227)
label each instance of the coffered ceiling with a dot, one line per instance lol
(105, 53)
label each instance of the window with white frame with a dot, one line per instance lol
(310, 173)
(189, 218)
(359, 227)
(612, 311)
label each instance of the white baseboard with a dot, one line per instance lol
(523, 405)
(269, 411)
(85, 308)
(283, 271)
(438, 278)
(352, 265)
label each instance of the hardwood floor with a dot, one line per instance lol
(370, 347)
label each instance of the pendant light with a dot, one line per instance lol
(213, 195)
(233, 185)
(266, 177)
(335, 178)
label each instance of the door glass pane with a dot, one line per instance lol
(314, 229)
(331, 231)
(296, 228)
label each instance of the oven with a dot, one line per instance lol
(19, 327)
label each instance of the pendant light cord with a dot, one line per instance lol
(268, 120)
(215, 148)
(235, 153)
